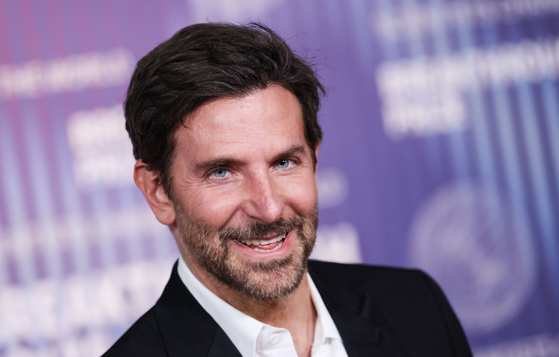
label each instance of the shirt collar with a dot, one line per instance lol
(241, 329)
(244, 330)
(323, 319)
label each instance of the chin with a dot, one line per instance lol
(262, 276)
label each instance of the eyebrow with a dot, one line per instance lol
(294, 150)
(215, 163)
(226, 161)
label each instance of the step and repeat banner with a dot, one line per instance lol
(441, 152)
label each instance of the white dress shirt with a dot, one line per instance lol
(256, 339)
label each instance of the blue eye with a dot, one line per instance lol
(220, 173)
(284, 164)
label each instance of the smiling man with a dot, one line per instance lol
(244, 193)
(223, 121)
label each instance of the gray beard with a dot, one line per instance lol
(263, 281)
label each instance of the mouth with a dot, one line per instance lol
(267, 244)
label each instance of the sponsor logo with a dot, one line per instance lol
(338, 243)
(479, 249)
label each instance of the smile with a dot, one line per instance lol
(264, 245)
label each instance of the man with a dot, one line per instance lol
(223, 121)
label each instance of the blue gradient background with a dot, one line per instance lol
(510, 145)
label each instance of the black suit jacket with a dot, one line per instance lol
(378, 311)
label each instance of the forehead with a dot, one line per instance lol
(263, 121)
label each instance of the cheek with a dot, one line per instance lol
(303, 195)
(214, 206)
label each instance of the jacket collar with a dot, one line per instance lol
(186, 327)
(359, 320)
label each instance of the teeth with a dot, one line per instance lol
(263, 241)
(269, 250)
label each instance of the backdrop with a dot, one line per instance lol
(441, 151)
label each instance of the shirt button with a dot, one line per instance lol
(275, 339)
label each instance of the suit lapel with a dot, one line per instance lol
(187, 329)
(222, 346)
(361, 324)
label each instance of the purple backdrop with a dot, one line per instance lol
(441, 151)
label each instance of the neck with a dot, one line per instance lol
(276, 313)
(295, 312)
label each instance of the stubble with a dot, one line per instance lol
(268, 281)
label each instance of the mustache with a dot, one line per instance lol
(260, 229)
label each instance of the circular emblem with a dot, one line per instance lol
(478, 249)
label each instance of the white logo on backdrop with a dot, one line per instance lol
(69, 74)
(77, 316)
(339, 243)
(478, 249)
(425, 95)
(101, 148)
(397, 23)
(332, 187)
(544, 345)
(232, 10)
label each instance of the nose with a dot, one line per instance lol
(263, 201)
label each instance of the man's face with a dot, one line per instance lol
(244, 191)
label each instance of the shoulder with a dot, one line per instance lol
(395, 289)
(176, 323)
(365, 277)
(143, 338)
(411, 301)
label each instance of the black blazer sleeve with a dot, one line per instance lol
(385, 311)
(378, 311)
(456, 334)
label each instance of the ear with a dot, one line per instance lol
(316, 155)
(149, 183)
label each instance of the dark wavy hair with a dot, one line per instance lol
(204, 62)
